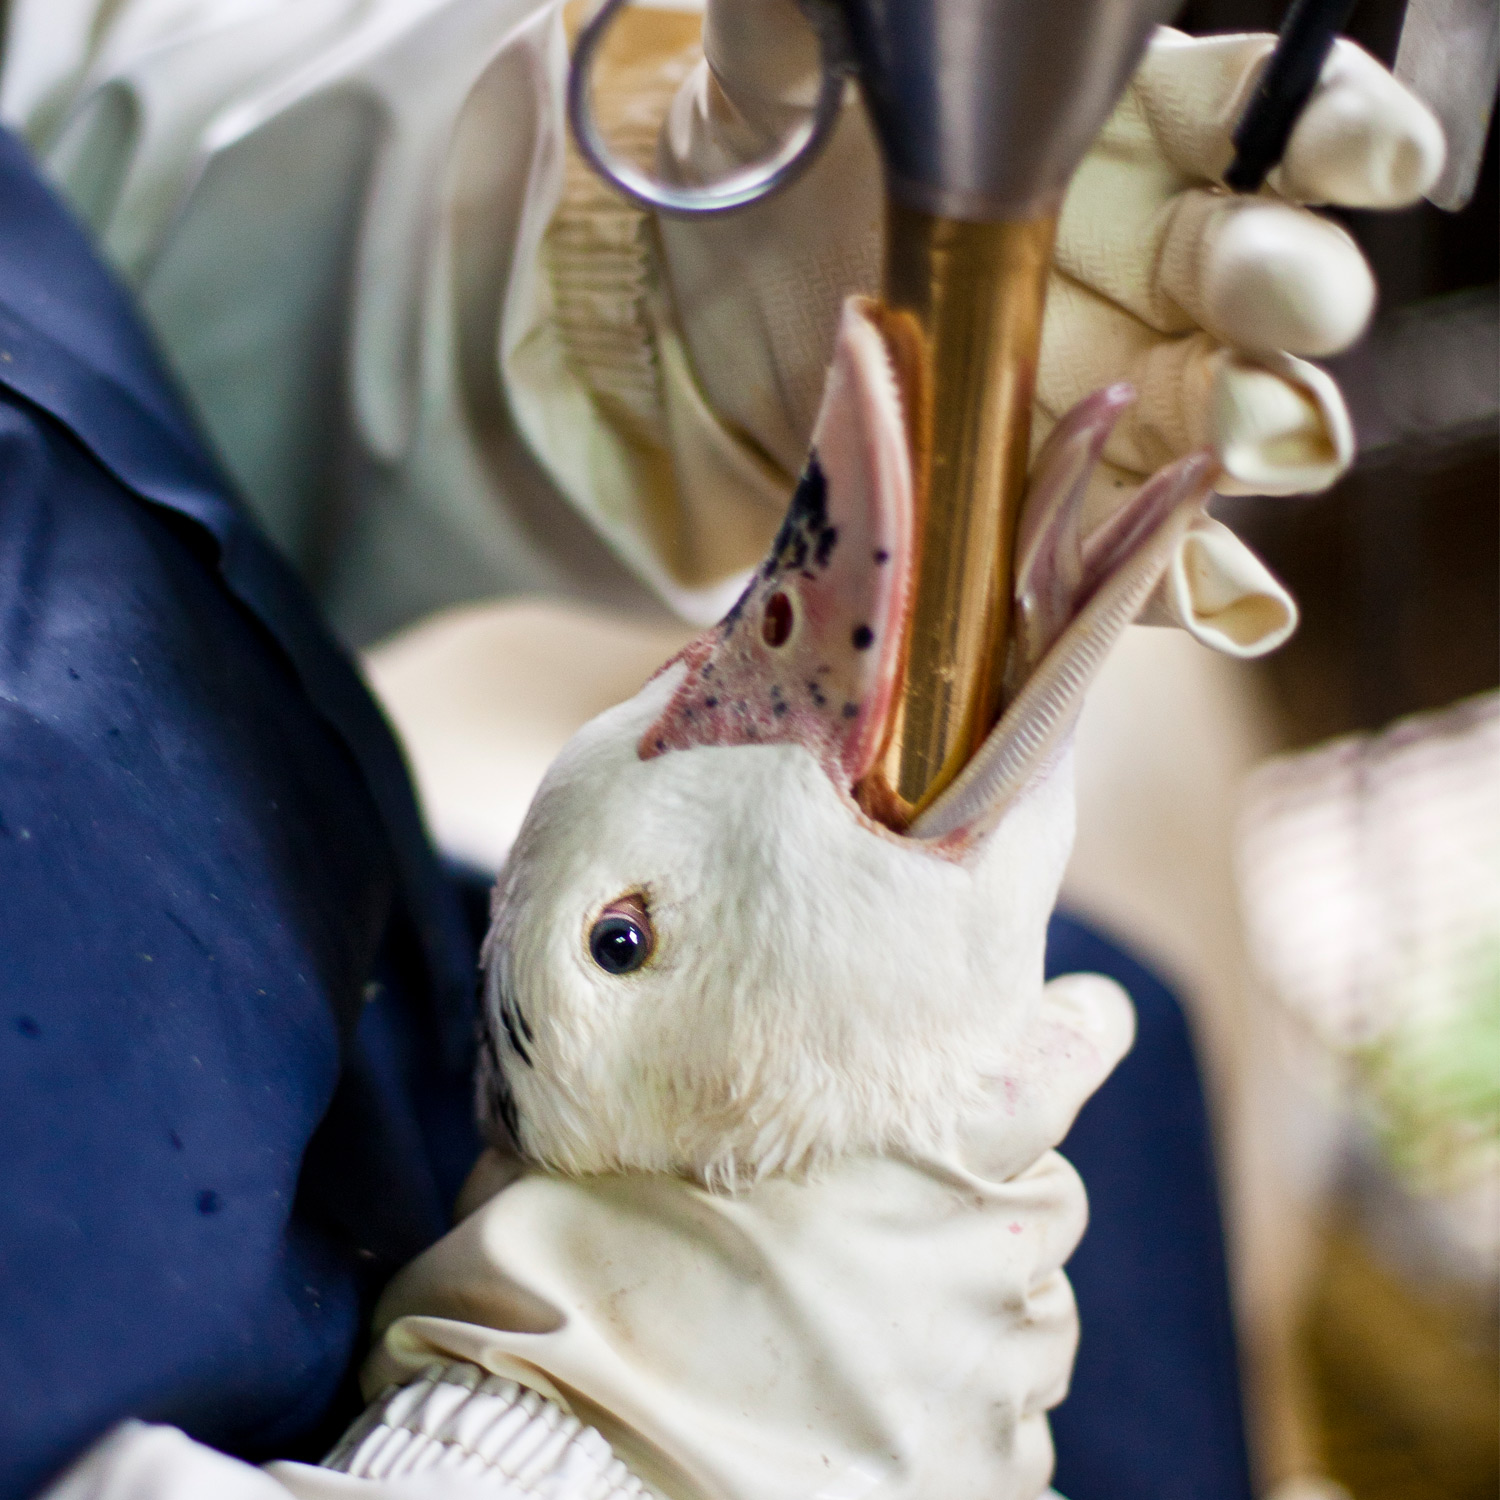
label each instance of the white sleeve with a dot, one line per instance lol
(137, 1461)
(460, 1424)
(450, 1434)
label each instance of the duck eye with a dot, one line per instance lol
(621, 939)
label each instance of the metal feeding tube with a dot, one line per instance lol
(964, 316)
(983, 108)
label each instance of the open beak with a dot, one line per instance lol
(811, 652)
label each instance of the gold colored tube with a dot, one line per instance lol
(963, 312)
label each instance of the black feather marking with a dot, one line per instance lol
(514, 1023)
(499, 1101)
(503, 1103)
(514, 1038)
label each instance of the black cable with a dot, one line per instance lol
(1286, 84)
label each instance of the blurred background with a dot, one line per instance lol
(1370, 868)
(1309, 846)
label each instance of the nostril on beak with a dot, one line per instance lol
(776, 626)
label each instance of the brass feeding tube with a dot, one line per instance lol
(963, 314)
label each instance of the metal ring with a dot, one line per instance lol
(754, 182)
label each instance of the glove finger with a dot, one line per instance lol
(1255, 273)
(1050, 1204)
(1277, 424)
(1215, 588)
(1363, 141)
(1263, 276)
(1084, 1027)
(1089, 342)
(1052, 1310)
(1223, 595)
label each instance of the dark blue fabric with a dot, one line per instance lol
(229, 965)
(234, 987)
(1154, 1412)
(70, 344)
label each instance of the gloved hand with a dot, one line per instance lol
(1209, 303)
(725, 1344)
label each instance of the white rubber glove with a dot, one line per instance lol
(724, 1345)
(1208, 303)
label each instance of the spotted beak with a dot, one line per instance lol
(810, 654)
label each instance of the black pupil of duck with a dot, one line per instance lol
(618, 945)
(777, 625)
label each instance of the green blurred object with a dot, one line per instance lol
(1434, 1077)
